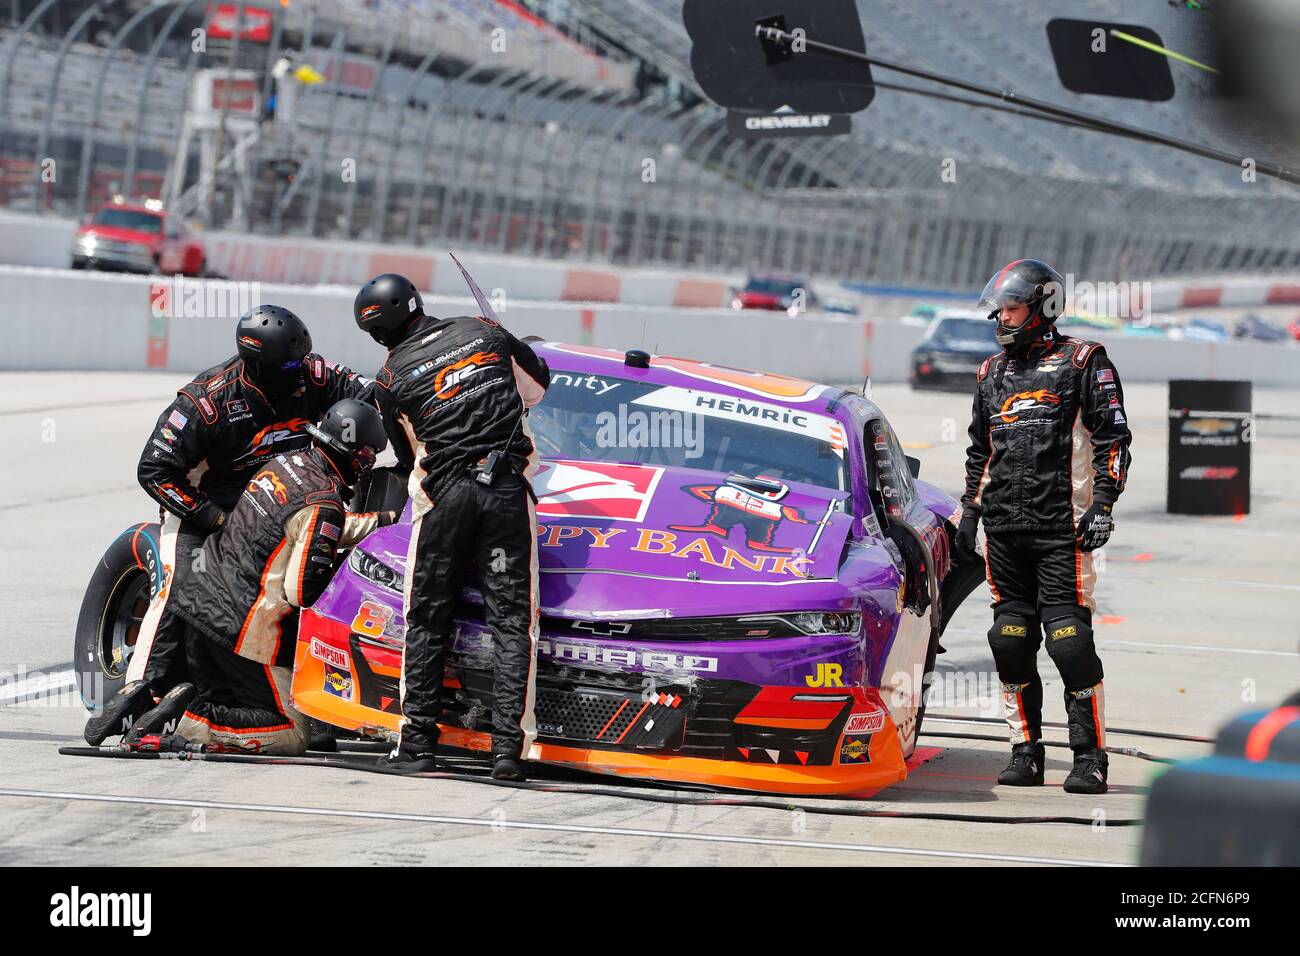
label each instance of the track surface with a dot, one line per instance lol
(1196, 615)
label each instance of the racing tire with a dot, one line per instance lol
(116, 599)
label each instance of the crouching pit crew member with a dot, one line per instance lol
(239, 602)
(453, 394)
(228, 422)
(1049, 456)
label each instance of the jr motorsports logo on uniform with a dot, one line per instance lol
(124, 910)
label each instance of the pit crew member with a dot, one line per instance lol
(274, 555)
(453, 394)
(221, 428)
(1048, 457)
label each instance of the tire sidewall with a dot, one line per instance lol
(138, 550)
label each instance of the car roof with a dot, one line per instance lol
(671, 370)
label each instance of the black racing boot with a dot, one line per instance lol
(163, 719)
(1089, 773)
(505, 767)
(123, 709)
(1026, 766)
(403, 760)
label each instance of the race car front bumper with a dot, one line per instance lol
(719, 733)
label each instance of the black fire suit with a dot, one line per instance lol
(452, 393)
(1048, 439)
(223, 425)
(274, 554)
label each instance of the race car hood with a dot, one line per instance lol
(617, 541)
(683, 525)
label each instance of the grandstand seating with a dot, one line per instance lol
(536, 160)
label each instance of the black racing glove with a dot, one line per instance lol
(1095, 526)
(210, 517)
(964, 543)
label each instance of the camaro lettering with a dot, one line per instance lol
(625, 657)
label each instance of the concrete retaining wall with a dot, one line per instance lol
(57, 319)
(45, 241)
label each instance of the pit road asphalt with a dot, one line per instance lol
(1197, 620)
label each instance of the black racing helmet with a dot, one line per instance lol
(1029, 282)
(386, 306)
(351, 434)
(271, 335)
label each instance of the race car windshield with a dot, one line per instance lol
(128, 219)
(976, 331)
(769, 286)
(599, 418)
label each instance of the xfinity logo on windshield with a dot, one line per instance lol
(76, 909)
(592, 383)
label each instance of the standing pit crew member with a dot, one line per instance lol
(453, 395)
(1048, 457)
(274, 555)
(222, 427)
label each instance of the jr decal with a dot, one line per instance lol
(451, 378)
(268, 481)
(264, 442)
(828, 675)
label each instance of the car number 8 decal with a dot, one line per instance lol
(372, 617)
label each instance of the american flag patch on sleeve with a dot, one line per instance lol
(330, 531)
(177, 420)
(1105, 375)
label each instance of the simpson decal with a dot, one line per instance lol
(334, 656)
(865, 723)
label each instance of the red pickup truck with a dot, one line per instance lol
(137, 238)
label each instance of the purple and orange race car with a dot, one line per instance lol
(743, 585)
